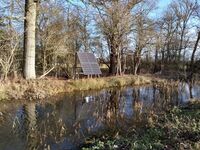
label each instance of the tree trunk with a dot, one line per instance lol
(137, 60)
(136, 65)
(156, 61)
(181, 43)
(113, 60)
(75, 66)
(119, 63)
(44, 65)
(29, 39)
(193, 54)
(113, 64)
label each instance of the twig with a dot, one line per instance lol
(46, 73)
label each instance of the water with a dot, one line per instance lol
(65, 121)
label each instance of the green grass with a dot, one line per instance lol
(178, 128)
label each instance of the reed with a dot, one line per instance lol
(40, 89)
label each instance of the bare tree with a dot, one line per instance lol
(183, 10)
(196, 43)
(9, 39)
(176, 25)
(169, 27)
(144, 36)
(143, 30)
(114, 21)
(8, 48)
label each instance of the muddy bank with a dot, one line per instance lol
(40, 89)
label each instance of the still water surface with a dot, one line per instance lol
(65, 121)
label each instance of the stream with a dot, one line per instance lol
(65, 121)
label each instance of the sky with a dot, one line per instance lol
(163, 3)
(161, 6)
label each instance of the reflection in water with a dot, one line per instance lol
(65, 124)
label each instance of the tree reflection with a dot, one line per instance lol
(112, 108)
(137, 104)
(190, 90)
(64, 123)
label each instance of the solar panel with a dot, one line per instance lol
(89, 63)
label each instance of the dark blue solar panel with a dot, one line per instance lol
(89, 63)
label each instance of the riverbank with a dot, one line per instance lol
(41, 89)
(178, 128)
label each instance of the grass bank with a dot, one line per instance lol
(40, 89)
(178, 128)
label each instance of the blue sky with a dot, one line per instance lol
(163, 3)
(161, 6)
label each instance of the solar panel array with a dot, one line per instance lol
(89, 63)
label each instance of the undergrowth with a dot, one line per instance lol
(178, 128)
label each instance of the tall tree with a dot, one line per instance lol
(9, 39)
(114, 22)
(192, 67)
(29, 39)
(183, 10)
(143, 32)
(193, 53)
